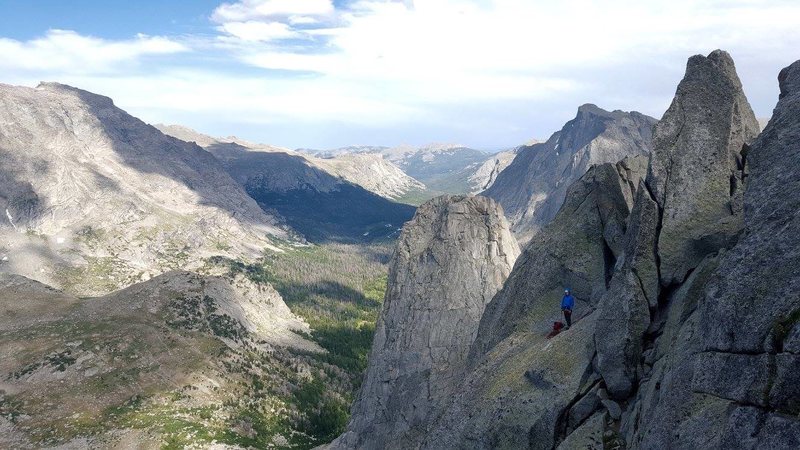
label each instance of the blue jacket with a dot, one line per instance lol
(567, 302)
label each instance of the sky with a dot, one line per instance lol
(489, 74)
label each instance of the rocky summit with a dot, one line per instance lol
(699, 164)
(533, 187)
(687, 314)
(449, 262)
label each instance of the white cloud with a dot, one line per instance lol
(619, 53)
(502, 70)
(259, 9)
(65, 51)
(253, 31)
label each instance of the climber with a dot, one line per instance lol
(567, 303)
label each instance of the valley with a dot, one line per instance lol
(629, 282)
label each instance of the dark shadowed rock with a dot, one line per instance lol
(621, 324)
(664, 410)
(449, 262)
(588, 436)
(533, 187)
(624, 312)
(698, 164)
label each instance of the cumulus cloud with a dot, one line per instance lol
(65, 51)
(486, 44)
(489, 73)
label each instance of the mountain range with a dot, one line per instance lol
(443, 168)
(162, 288)
(345, 199)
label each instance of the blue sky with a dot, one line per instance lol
(490, 74)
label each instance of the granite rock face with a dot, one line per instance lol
(698, 167)
(449, 262)
(719, 364)
(625, 309)
(576, 251)
(752, 307)
(523, 390)
(533, 187)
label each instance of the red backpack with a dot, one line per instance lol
(557, 327)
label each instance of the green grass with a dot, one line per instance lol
(260, 392)
(338, 289)
(416, 197)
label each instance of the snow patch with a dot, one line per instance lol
(10, 219)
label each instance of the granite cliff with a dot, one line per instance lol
(450, 261)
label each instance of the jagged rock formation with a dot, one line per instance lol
(751, 342)
(577, 250)
(698, 166)
(93, 199)
(696, 350)
(521, 382)
(532, 189)
(486, 174)
(120, 370)
(714, 372)
(625, 308)
(449, 262)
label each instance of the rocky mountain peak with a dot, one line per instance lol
(533, 187)
(721, 61)
(449, 262)
(87, 97)
(698, 165)
(789, 80)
